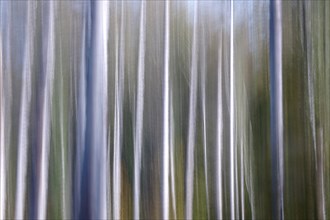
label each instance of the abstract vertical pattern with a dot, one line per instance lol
(164, 109)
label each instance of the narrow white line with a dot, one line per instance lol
(232, 113)
(166, 135)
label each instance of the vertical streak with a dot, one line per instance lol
(172, 138)
(192, 122)
(6, 8)
(320, 174)
(116, 162)
(24, 115)
(242, 180)
(81, 116)
(6, 99)
(220, 128)
(232, 113)
(203, 79)
(99, 110)
(280, 103)
(276, 107)
(63, 158)
(47, 107)
(166, 135)
(104, 78)
(236, 180)
(106, 136)
(2, 143)
(139, 113)
(325, 159)
(119, 80)
(308, 44)
(109, 204)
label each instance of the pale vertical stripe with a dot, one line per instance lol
(119, 80)
(166, 135)
(220, 134)
(46, 121)
(279, 95)
(242, 179)
(139, 112)
(192, 121)
(203, 95)
(63, 158)
(232, 114)
(99, 105)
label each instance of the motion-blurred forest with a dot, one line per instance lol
(126, 109)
